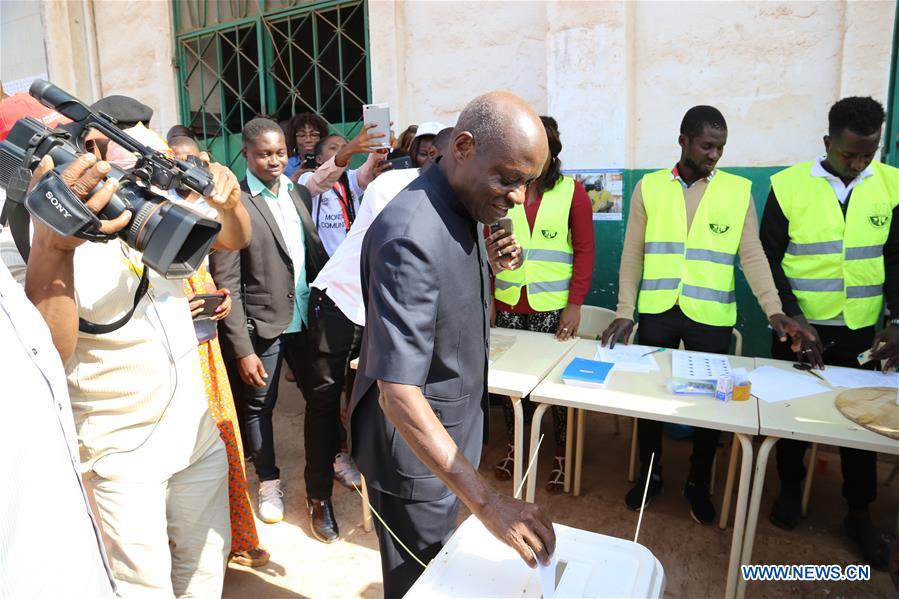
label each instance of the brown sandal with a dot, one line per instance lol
(503, 470)
(254, 558)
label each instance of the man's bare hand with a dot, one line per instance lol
(226, 195)
(521, 526)
(251, 371)
(81, 176)
(503, 251)
(619, 330)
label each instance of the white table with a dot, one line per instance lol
(516, 372)
(814, 418)
(643, 395)
(474, 563)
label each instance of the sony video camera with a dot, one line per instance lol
(173, 238)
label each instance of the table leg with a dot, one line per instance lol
(366, 510)
(632, 462)
(532, 456)
(809, 475)
(518, 442)
(729, 484)
(569, 447)
(579, 451)
(736, 544)
(752, 518)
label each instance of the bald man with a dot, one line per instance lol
(417, 413)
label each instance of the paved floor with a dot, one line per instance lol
(694, 557)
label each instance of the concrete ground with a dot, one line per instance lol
(694, 557)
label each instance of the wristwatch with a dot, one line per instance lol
(893, 322)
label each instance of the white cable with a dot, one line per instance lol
(645, 491)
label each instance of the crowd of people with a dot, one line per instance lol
(136, 438)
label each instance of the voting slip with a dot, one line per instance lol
(855, 378)
(582, 372)
(772, 384)
(697, 366)
(629, 358)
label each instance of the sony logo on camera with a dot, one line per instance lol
(57, 204)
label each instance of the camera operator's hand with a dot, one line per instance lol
(227, 190)
(365, 142)
(251, 371)
(81, 176)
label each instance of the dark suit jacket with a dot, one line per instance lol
(426, 292)
(260, 276)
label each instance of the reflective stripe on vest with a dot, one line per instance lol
(548, 259)
(834, 262)
(694, 268)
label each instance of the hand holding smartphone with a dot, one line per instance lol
(211, 301)
(378, 115)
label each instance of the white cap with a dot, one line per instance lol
(429, 128)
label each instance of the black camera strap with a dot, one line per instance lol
(92, 328)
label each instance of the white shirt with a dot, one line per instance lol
(340, 277)
(137, 393)
(327, 212)
(50, 544)
(839, 188)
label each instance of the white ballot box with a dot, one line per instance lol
(476, 564)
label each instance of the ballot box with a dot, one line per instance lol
(586, 564)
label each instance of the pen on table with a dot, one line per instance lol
(655, 351)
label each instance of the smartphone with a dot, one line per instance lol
(504, 223)
(378, 114)
(400, 162)
(309, 162)
(211, 302)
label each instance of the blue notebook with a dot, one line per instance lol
(587, 373)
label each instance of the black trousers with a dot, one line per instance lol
(255, 405)
(423, 526)
(333, 340)
(859, 466)
(669, 329)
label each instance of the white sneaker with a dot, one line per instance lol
(271, 506)
(345, 471)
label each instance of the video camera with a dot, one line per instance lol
(173, 238)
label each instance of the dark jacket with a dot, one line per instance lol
(426, 292)
(260, 276)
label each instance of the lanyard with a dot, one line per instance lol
(345, 206)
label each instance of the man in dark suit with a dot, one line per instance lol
(269, 282)
(419, 402)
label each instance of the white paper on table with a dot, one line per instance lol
(772, 385)
(628, 358)
(548, 577)
(697, 366)
(854, 378)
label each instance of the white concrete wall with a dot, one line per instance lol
(21, 45)
(617, 75)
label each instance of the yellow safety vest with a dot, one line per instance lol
(835, 263)
(548, 253)
(694, 268)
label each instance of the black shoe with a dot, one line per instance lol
(874, 544)
(321, 520)
(701, 507)
(634, 497)
(787, 509)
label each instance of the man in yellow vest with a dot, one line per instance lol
(831, 233)
(685, 229)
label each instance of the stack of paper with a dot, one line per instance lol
(854, 378)
(771, 384)
(629, 358)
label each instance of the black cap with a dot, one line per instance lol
(127, 111)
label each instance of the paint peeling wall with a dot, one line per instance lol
(619, 75)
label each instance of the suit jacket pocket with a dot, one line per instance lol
(257, 299)
(451, 413)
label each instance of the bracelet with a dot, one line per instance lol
(893, 322)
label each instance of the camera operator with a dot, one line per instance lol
(149, 446)
(43, 496)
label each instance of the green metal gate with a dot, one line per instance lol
(241, 58)
(891, 134)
